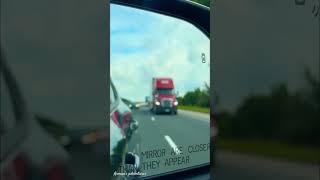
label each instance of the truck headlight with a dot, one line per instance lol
(175, 103)
(157, 103)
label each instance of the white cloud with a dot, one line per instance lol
(161, 46)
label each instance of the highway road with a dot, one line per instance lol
(170, 142)
(158, 134)
(164, 143)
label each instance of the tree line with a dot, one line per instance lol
(281, 115)
(197, 97)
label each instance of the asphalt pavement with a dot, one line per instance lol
(168, 142)
(164, 142)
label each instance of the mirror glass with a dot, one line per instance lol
(153, 56)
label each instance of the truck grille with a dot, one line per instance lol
(166, 103)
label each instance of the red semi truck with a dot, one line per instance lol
(164, 98)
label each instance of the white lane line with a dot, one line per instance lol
(172, 144)
(152, 118)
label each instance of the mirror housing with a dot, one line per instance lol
(134, 125)
(132, 159)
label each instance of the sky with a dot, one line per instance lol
(145, 45)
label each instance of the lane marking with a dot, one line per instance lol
(172, 144)
(152, 118)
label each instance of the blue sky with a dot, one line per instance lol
(146, 45)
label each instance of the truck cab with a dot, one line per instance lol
(164, 98)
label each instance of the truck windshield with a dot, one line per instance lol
(165, 91)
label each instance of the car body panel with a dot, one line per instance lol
(120, 132)
(24, 156)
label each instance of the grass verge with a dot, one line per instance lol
(271, 149)
(195, 108)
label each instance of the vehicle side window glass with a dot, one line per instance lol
(7, 119)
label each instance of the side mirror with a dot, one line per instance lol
(134, 125)
(132, 159)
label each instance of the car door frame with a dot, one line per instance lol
(194, 13)
(115, 104)
(19, 132)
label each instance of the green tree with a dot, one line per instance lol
(197, 97)
(282, 115)
(181, 100)
(191, 97)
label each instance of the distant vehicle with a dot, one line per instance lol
(129, 103)
(27, 150)
(164, 98)
(148, 99)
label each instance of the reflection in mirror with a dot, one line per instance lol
(152, 57)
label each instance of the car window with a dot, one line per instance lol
(8, 119)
